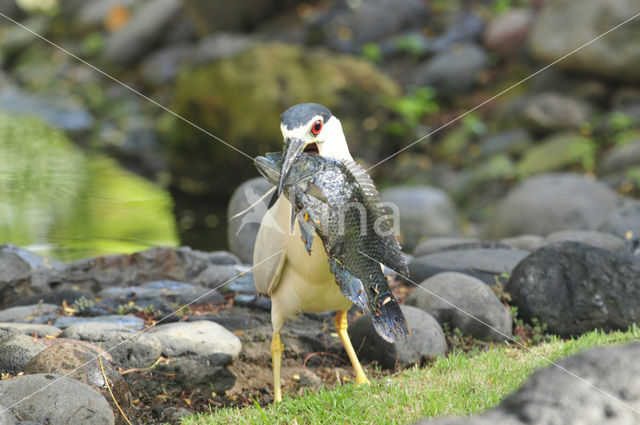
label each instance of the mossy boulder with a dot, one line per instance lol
(557, 152)
(240, 100)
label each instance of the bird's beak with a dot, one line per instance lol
(293, 148)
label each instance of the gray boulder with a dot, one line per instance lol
(202, 338)
(552, 112)
(55, 399)
(621, 157)
(126, 320)
(6, 417)
(486, 264)
(506, 34)
(433, 245)
(16, 352)
(575, 288)
(524, 242)
(622, 221)
(81, 364)
(423, 212)
(36, 313)
(551, 202)
(129, 349)
(143, 31)
(242, 231)
(425, 341)
(454, 71)
(598, 239)
(608, 394)
(465, 303)
(565, 25)
(41, 331)
(162, 291)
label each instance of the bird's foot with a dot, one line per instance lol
(362, 380)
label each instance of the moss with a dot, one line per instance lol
(240, 100)
(556, 152)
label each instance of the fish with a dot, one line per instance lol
(337, 200)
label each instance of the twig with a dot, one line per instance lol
(106, 382)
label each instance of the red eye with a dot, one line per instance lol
(316, 127)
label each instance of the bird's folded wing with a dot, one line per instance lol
(269, 259)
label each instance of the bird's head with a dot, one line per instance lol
(310, 128)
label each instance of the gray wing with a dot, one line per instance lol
(268, 254)
(391, 254)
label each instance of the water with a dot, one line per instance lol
(60, 202)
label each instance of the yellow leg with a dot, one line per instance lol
(276, 358)
(341, 328)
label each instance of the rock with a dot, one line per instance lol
(15, 39)
(55, 297)
(224, 277)
(6, 418)
(242, 231)
(547, 203)
(463, 302)
(546, 112)
(63, 113)
(162, 291)
(190, 372)
(171, 414)
(565, 25)
(506, 34)
(181, 264)
(79, 363)
(454, 71)
(255, 101)
(55, 399)
(465, 28)
(553, 395)
(16, 352)
(556, 152)
(201, 339)
(433, 245)
(514, 141)
(622, 221)
(92, 15)
(143, 31)
(524, 242)
(238, 16)
(41, 331)
(347, 26)
(220, 45)
(425, 341)
(36, 313)
(129, 349)
(161, 67)
(621, 157)
(423, 211)
(13, 11)
(575, 288)
(488, 265)
(23, 273)
(126, 320)
(590, 237)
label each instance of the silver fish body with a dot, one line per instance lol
(338, 201)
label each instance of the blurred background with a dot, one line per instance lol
(88, 167)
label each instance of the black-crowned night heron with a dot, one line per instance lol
(296, 281)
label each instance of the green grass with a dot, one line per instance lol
(458, 384)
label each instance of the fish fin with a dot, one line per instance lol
(390, 252)
(350, 286)
(307, 230)
(316, 192)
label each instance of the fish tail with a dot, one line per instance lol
(388, 320)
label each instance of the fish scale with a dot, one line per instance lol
(338, 201)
